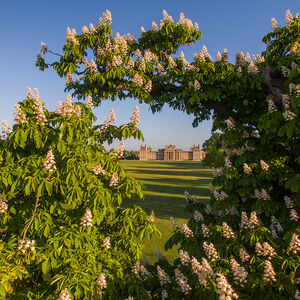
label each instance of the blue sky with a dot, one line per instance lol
(235, 25)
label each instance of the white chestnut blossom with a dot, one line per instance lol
(244, 256)
(265, 195)
(148, 86)
(5, 130)
(210, 251)
(71, 36)
(239, 273)
(294, 215)
(184, 258)
(205, 230)
(288, 202)
(19, 115)
(275, 227)
(106, 243)
(151, 218)
(224, 55)
(182, 282)
(38, 107)
(228, 163)
(252, 68)
(3, 205)
(186, 231)
(245, 223)
(138, 79)
(269, 273)
(254, 221)
(25, 245)
(274, 23)
(65, 295)
(49, 164)
(119, 152)
(162, 276)
(224, 289)
(227, 231)
(239, 59)
(288, 17)
(264, 165)
(105, 19)
(198, 216)
(289, 115)
(89, 102)
(87, 219)
(174, 224)
(111, 119)
(295, 244)
(135, 117)
(247, 169)
(114, 180)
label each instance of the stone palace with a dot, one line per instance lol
(171, 153)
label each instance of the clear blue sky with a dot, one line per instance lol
(235, 25)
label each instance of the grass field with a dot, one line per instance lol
(165, 183)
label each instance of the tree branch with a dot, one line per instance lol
(273, 86)
(32, 217)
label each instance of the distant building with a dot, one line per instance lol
(171, 153)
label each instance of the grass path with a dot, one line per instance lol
(165, 183)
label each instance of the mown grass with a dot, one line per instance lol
(165, 183)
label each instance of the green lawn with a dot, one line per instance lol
(165, 183)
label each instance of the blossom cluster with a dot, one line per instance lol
(101, 281)
(184, 258)
(182, 282)
(71, 36)
(244, 256)
(97, 169)
(114, 180)
(269, 273)
(275, 227)
(135, 117)
(3, 205)
(87, 219)
(264, 250)
(293, 213)
(198, 216)
(19, 115)
(248, 224)
(37, 106)
(239, 273)
(162, 276)
(151, 218)
(210, 251)
(224, 289)
(89, 102)
(65, 295)
(119, 152)
(295, 244)
(49, 164)
(67, 109)
(106, 243)
(140, 271)
(5, 130)
(262, 195)
(186, 231)
(227, 231)
(105, 19)
(26, 245)
(110, 120)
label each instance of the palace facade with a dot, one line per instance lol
(171, 153)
